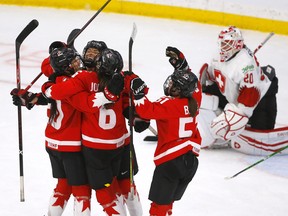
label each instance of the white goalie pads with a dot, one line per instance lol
(261, 142)
(209, 102)
(207, 112)
(204, 120)
(230, 123)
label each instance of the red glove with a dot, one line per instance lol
(176, 58)
(128, 77)
(24, 98)
(114, 88)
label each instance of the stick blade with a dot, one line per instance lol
(134, 32)
(151, 138)
(26, 31)
(72, 36)
(228, 177)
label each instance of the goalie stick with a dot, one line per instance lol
(70, 41)
(254, 164)
(131, 115)
(19, 40)
(262, 44)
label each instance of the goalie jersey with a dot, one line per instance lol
(240, 80)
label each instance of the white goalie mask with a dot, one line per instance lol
(230, 41)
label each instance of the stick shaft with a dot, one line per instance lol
(260, 161)
(263, 42)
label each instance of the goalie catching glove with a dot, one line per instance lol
(177, 59)
(230, 123)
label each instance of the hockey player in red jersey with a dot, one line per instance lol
(179, 140)
(91, 54)
(104, 133)
(63, 140)
(247, 94)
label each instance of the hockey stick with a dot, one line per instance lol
(260, 161)
(131, 115)
(71, 38)
(152, 138)
(89, 21)
(19, 40)
(262, 44)
(70, 41)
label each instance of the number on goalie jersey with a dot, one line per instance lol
(179, 140)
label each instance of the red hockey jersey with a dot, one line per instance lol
(64, 132)
(102, 127)
(177, 130)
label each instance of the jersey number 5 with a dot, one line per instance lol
(182, 123)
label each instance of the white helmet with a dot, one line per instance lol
(230, 41)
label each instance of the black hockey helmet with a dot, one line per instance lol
(56, 44)
(181, 82)
(110, 62)
(61, 59)
(99, 46)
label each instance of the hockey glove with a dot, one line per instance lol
(139, 88)
(24, 98)
(114, 88)
(177, 59)
(140, 125)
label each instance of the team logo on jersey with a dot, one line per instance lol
(248, 68)
(220, 80)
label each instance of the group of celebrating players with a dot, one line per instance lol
(88, 98)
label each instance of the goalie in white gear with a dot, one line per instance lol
(246, 93)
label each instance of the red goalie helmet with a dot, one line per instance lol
(230, 41)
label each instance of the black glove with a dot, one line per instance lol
(140, 124)
(138, 88)
(177, 59)
(114, 88)
(23, 98)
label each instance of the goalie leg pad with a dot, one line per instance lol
(261, 142)
(229, 124)
(204, 119)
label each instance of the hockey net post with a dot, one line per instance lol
(18, 42)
